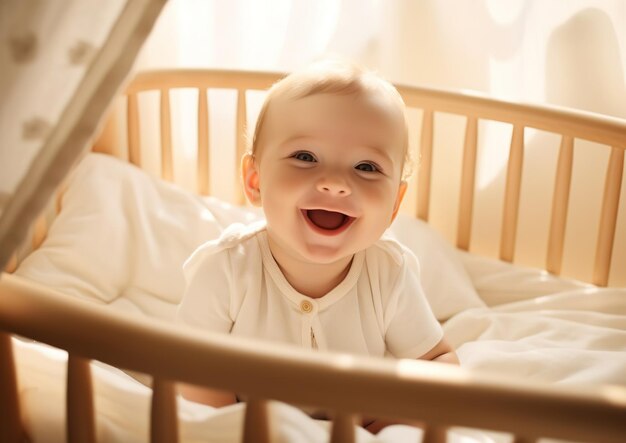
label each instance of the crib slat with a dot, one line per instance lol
(203, 143)
(167, 169)
(11, 264)
(512, 194)
(40, 230)
(560, 203)
(466, 202)
(241, 140)
(134, 143)
(343, 429)
(434, 434)
(256, 427)
(163, 413)
(108, 140)
(10, 424)
(80, 410)
(425, 165)
(608, 217)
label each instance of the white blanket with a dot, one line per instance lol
(541, 327)
(570, 337)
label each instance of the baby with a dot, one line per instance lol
(327, 164)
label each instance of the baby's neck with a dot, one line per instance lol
(314, 280)
(317, 280)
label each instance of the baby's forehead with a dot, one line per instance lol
(366, 105)
(363, 120)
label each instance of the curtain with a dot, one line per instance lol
(62, 62)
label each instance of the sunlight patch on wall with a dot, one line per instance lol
(504, 12)
(265, 25)
(494, 140)
(195, 45)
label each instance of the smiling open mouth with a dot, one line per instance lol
(330, 221)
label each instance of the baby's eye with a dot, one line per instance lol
(367, 167)
(304, 156)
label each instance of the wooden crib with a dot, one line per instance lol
(348, 386)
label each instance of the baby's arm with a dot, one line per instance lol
(441, 352)
(205, 307)
(210, 397)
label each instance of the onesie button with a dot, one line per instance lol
(306, 306)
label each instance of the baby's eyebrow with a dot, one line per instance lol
(380, 150)
(295, 138)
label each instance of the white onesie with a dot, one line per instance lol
(235, 286)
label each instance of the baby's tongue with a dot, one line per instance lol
(326, 219)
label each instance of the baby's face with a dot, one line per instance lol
(329, 169)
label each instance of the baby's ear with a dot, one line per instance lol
(399, 197)
(250, 176)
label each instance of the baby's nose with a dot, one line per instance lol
(334, 185)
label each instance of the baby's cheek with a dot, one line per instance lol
(288, 178)
(292, 179)
(382, 197)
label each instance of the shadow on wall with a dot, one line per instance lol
(584, 67)
(584, 71)
(450, 45)
(447, 44)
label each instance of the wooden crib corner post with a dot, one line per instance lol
(10, 422)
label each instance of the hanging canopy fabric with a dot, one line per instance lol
(62, 64)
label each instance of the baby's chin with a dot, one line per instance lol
(326, 255)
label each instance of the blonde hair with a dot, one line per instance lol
(333, 77)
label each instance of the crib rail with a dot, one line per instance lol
(438, 394)
(201, 80)
(571, 126)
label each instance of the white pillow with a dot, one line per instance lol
(122, 236)
(446, 284)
